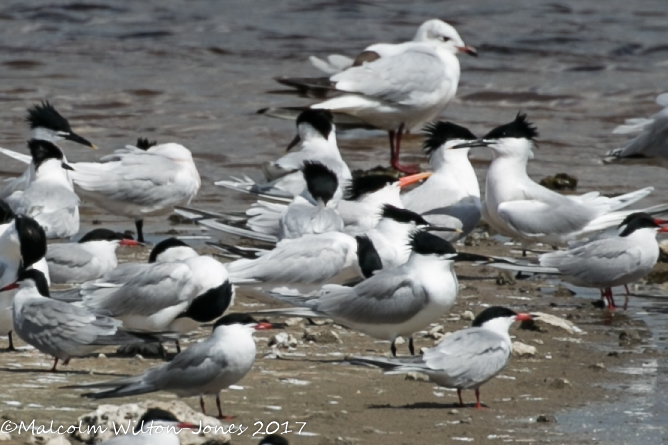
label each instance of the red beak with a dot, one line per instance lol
(408, 180)
(187, 426)
(263, 326)
(471, 51)
(523, 317)
(128, 242)
(663, 229)
(10, 286)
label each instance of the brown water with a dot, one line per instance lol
(195, 72)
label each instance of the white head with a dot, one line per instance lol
(511, 140)
(171, 249)
(441, 140)
(435, 30)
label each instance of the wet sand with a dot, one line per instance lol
(346, 404)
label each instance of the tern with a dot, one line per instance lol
(451, 195)
(316, 136)
(49, 198)
(605, 262)
(466, 359)
(391, 303)
(404, 89)
(650, 145)
(205, 368)
(155, 427)
(89, 259)
(518, 207)
(60, 329)
(45, 124)
(148, 179)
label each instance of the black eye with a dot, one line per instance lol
(445, 39)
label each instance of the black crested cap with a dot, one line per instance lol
(321, 120)
(274, 439)
(491, 313)
(438, 133)
(425, 243)
(163, 245)
(6, 213)
(103, 235)
(46, 116)
(155, 415)
(211, 304)
(519, 128)
(362, 185)
(403, 215)
(238, 318)
(367, 256)
(32, 239)
(321, 182)
(38, 277)
(635, 221)
(145, 144)
(43, 150)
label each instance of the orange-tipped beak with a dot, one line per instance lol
(262, 326)
(523, 317)
(411, 179)
(10, 286)
(471, 51)
(660, 221)
(128, 242)
(663, 230)
(187, 426)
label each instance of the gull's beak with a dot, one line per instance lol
(467, 49)
(442, 229)
(471, 144)
(262, 326)
(187, 426)
(79, 140)
(297, 139)
(67, 166)
(411, 179)
(660, 221)
(129, 242)
(10, 286)
(523, 317)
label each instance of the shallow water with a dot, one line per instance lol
(195, 72)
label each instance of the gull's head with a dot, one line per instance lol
(46, 123)
(438, 31)
(117, 238)
(240, 321)
(425, 244)
(34, 278)
(498, 319)
(442, 140)
(313, 124)
(171, 249)
(45, 153)
(32, 240)
(321, 182)
(514, 139)
(641, 221)
(154, 417)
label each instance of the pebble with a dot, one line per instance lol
(416, 376)
(5, 436)
(468, 315)
(559, 383)
(322, 337)
(552, 320)
(543, 418)
(293, 321)
(523, 350)
(282, 340)
(597, 367)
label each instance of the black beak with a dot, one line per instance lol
(67, 166)
(476, 143)
(441, 229)
(294, 142)
(79, 140)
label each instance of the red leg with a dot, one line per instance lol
(201, 404)
(395, 146)
(53, 368)
(220, 412)
(611, 300)
(477, 399)
(626, 297)
(459, 394)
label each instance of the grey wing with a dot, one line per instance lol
(55, 326)
(309, 259)
(399, 78)
(651, 142)
(382, 299)
(161, 286)
(599, 262)
(473, 354)
(69, 263)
